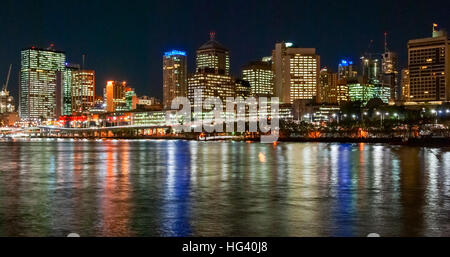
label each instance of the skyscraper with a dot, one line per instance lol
(390, 74)
(115, 96)
(371, 69)
(389, 68)
(346, 70)
(67, 92)
(41, 83)
(260, 76)
(213, 57)
(327, 91)
(296, 72)
(212, 72)
(83, 91)
(429, 68)
(174, 76)
(405, 85)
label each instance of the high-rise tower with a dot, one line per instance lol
(174, 76)
(41, 83)
(296, 72)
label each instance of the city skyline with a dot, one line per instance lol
(147, 77)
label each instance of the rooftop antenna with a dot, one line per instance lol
(212, 35)
(7, 78)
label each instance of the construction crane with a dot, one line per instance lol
(5, 86)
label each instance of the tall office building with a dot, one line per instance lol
(83, 91)
(371, 69)
(213, 57)
(296, 72)
(116, 96)
(212, 73)
(390, 74)
(327, 91)
(342, 91)
(67, 92)
(429, 67)
(405, 85)
(211, 85)
(174, 76)
(347, 70)
(389, 67)
(41, 83)
(260, 76)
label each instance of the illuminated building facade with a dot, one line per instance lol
(342, 91)
(429, 68)
(405, 85)
(328, 87)
(296, 72)
(83, 91)
(260, 76)
(371, 69)
(6, 102)
(131, 100)
(213, 57)
(41, 83)
(363, 92)
(360, 92)
(115, 96)
(212, 85)
(346, 70)
(212, 73)
(390, 74)
(67, 98)
(174, 76)
(242, 88)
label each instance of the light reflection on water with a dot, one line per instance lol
(184, 188)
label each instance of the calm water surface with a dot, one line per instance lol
(188, 188)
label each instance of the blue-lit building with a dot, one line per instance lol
(174, 76)
(346, 70)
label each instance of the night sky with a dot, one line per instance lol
(125, 40)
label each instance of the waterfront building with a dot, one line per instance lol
(296, 72)
(67, 94)
(328, 87)
(213, 57)
(260, 76)
(212, 73)
(429, 68)
(347, 70)
(115, 95)
(174, 76)
(131, 100)
(41, 83)
(148, 100)
(211, 85)
(83, 91)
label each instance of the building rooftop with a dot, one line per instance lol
(212, 43)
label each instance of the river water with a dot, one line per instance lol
(53, 187)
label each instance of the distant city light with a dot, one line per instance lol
(288, 44)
